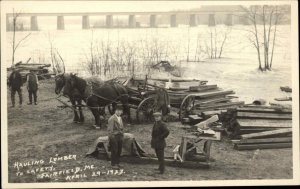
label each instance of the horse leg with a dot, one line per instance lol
(96, 114)
(126, 109)
(81, 119)
(113, 106)
(92, 104)
(76, 118)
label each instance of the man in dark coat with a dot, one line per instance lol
(115, 136)
(32, 86)
(15, 84)
(159, 133)
(162, 102)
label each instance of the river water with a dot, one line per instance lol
(237, 69)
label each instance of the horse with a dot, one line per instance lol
(74, 96)
(98, 96)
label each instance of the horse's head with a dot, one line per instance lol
(59, 83)
(68, 84)
(74, 83)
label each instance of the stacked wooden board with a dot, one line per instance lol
(213, 102)
(42, 70)
(263, 127)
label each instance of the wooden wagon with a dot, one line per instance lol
(188, 96)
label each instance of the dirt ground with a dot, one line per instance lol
(40, 132)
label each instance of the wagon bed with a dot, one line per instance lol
(188, 96)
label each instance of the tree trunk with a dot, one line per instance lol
(14, 40)
(268, 40)
(257, 44)
(211, 46)
(265, 40)
(274, 39)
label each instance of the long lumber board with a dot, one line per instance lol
(267, 107)
(261, 128)
(220, 105)
(263, 140)
(283, 99)
(213, 112)
(268, 133)
(254, 130)
(202, 87)
(262, 146)
(211, 94)
(211, 101)
(264, 123)
(263, 115)
(194, 88)
(263, 110)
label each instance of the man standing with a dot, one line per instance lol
(15, 84)
(159, 133)
(162, 102)
(32, 86)
(115, 136)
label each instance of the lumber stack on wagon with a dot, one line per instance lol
(260, 127)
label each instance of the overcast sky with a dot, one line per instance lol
(99, 6)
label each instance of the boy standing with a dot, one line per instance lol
(159, 133)
(115, 136)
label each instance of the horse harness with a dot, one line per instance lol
(93, 94)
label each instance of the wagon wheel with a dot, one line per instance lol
(145, 110)
(186, 107)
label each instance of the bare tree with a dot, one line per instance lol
(269, 17)
(218, 38)
(58, 64)
(16, 44)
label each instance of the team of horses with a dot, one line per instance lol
(95, 95)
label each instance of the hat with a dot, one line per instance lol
(119, 107)
(157, 114)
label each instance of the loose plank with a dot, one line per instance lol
(264, 123)
(221, 105)
(267, 133)
(262, 146)
(263, 115)
(264, 110)
(263, 140)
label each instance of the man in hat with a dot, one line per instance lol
(32, 86)
(15, 84)
(158, 143)
(162, 102)
(115, 135)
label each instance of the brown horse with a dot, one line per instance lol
(74, 96)
(98, 96)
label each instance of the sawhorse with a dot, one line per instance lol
(204, 151)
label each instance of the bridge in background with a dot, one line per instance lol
(193, 16)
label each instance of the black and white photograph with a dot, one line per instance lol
(149, 93)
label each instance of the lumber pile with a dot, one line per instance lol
(286, 89)
(42, 70)
(259, 127)
(212, 103)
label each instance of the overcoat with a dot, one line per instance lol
(159, 133)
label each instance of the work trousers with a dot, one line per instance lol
(13, 93)
(115, 143)
(164, 110)
(34, 94)
(161, 159)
